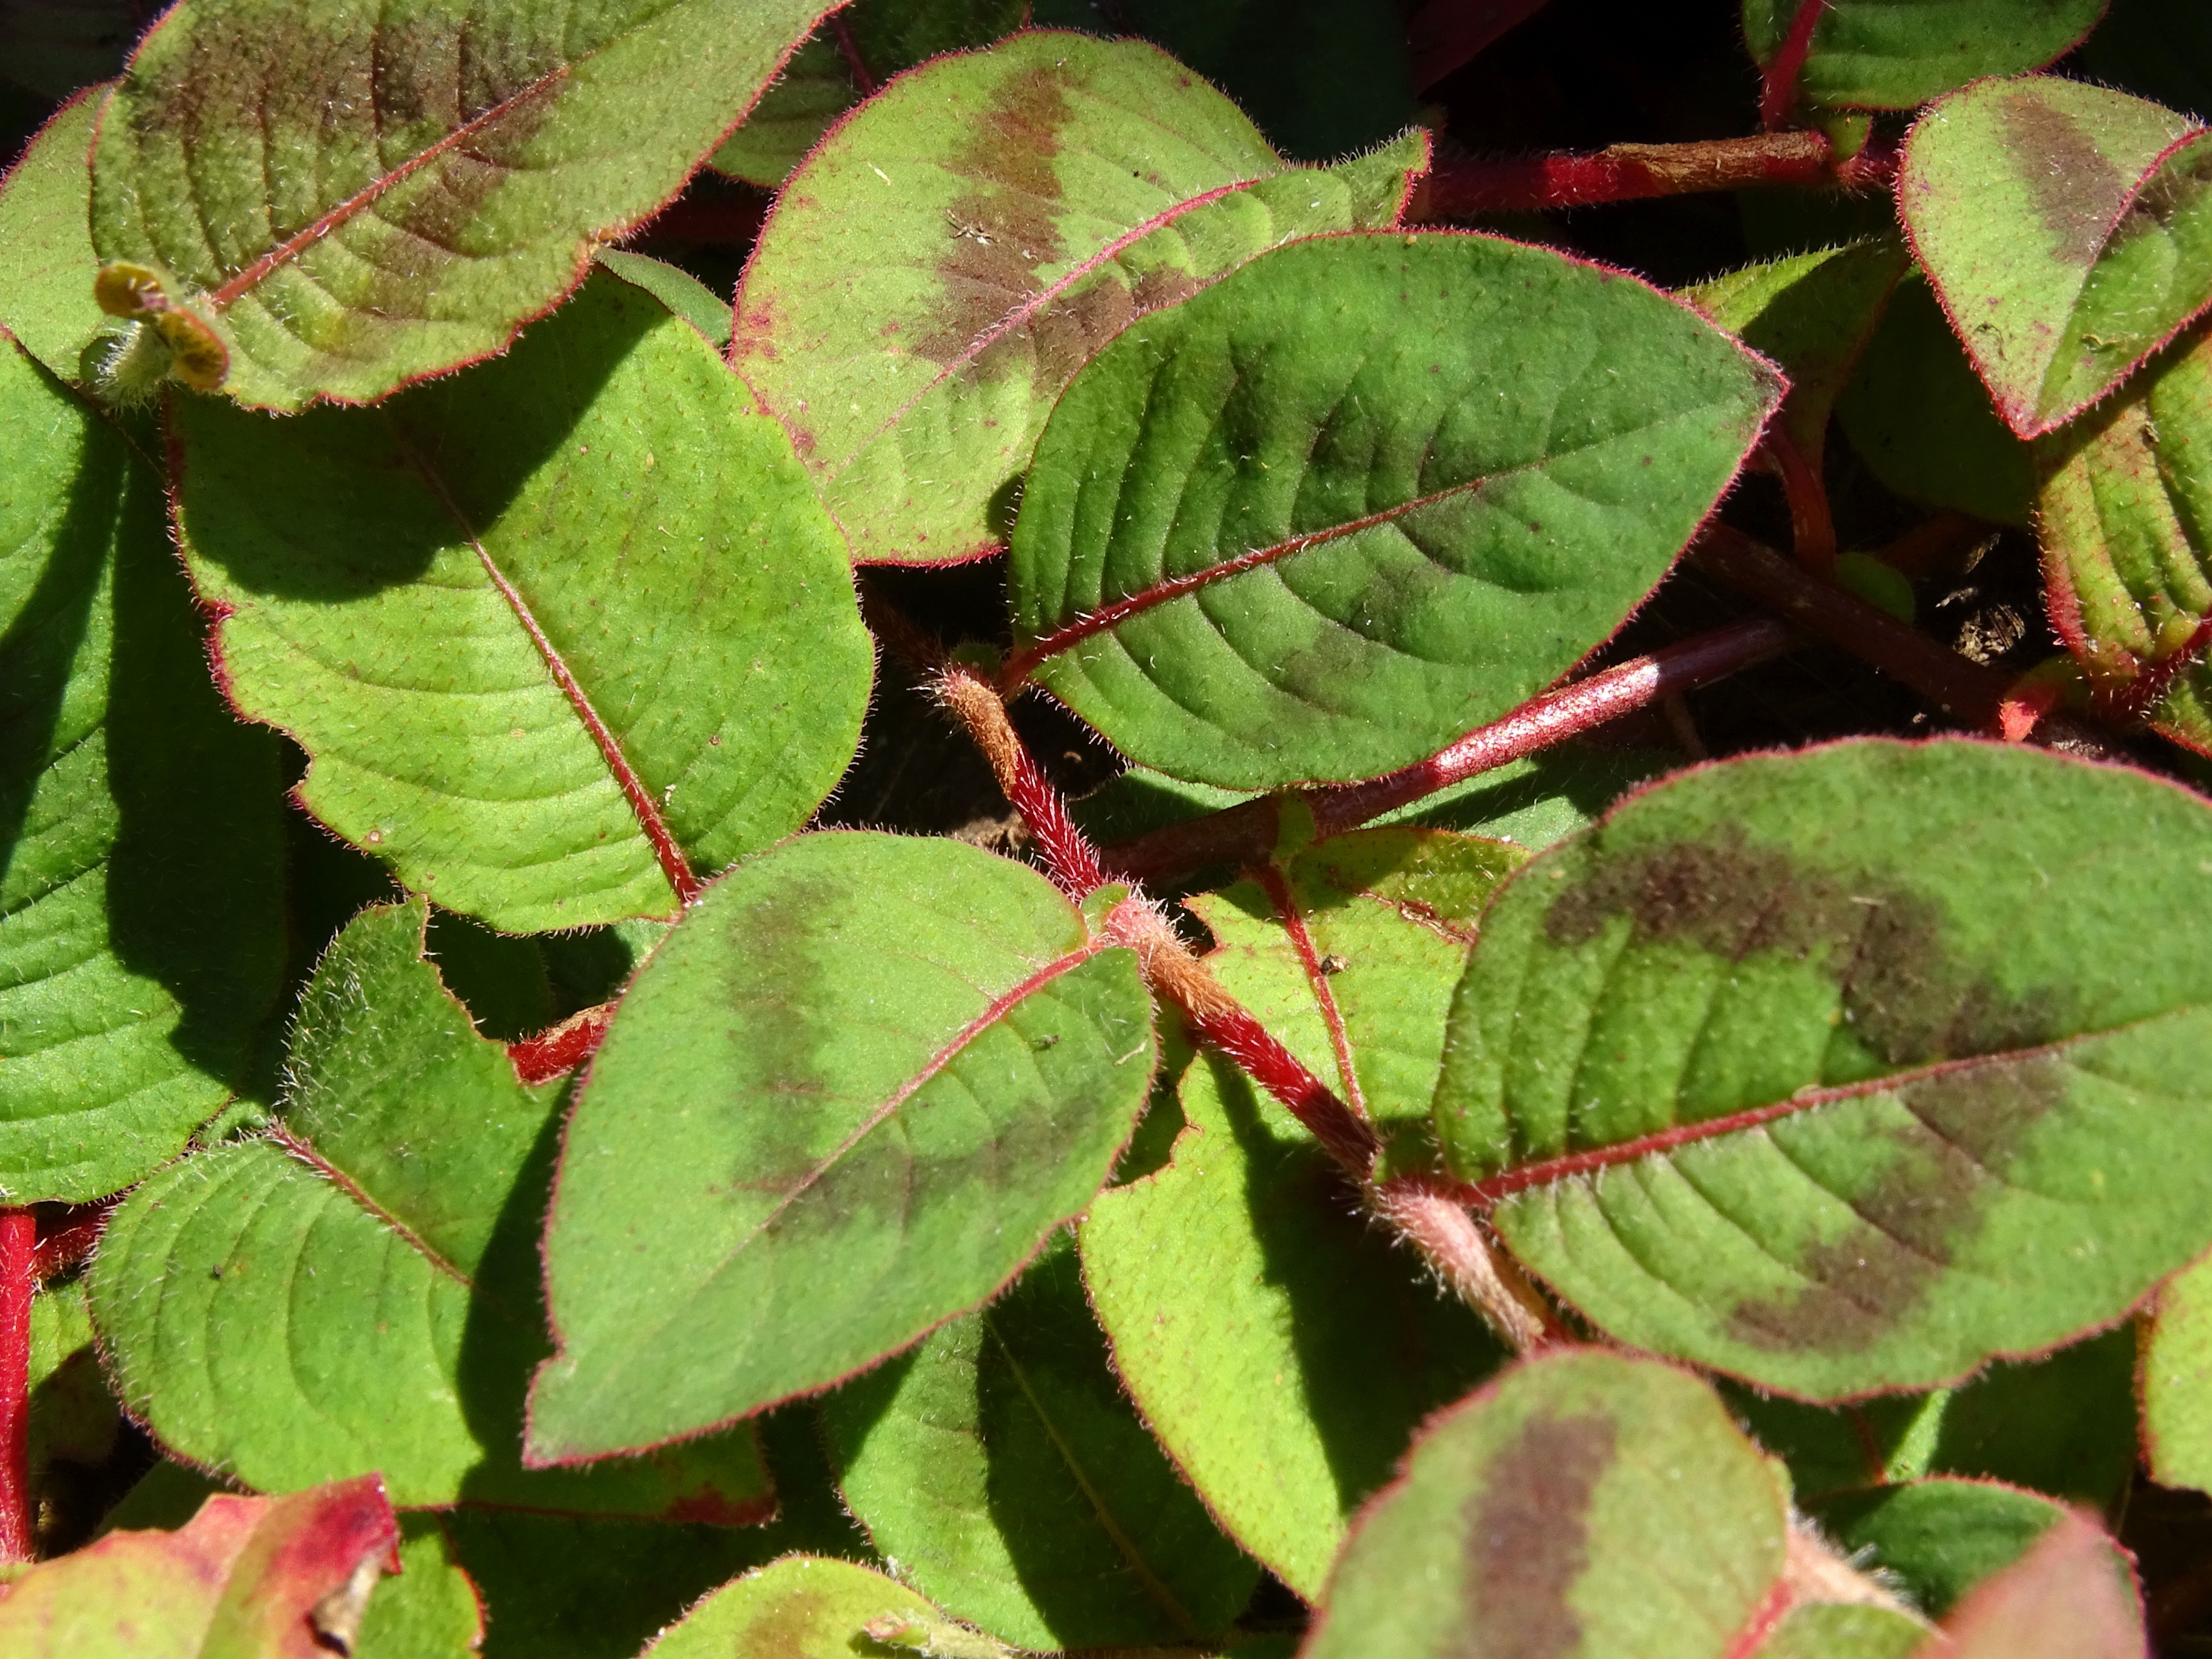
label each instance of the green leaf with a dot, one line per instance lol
(1875, 54)
(2125, 518)
(429, 1611)
(802, 1607)
(2066, 229)
(463, 164)
(1812, 313)
(1585, 1504)
(73, 1418)
(554, 632)
(239, 1581)
(1002, 1467)
(849, 1098)
(1827, 1629)
(1362, 494)
(2177, 1383)
(142, 930)
(1939, 1538)
(2065, 1425)
(362, 1291)
(1279, 1346)
(817, 85)
(1924, 425)
(46, 261)
(562, 1587)
(936, 273)
(684, 295)
(813, 89)
(1849, 1070)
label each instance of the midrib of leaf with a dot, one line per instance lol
(1035, 304)
(305, 1151)
(993, 1013)
(1161, 1595)
(1294, 924)
(674, 864)
(239, 286)
(1492, 1190)
(1025, 662)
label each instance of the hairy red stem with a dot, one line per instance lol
(1245, 834)
(18, 1244)
(561, 1047)
(1777, 88)
(1444, 35)
(1635, 173)
(1069, 858)
(1812, 528)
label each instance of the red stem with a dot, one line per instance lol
(863, 77)
(1069, 858)
(1263, 1059)
(1777, 89)
(1972, 695)
(1634, 172)
(1294, 925)
(1812, 528)
(19, 1241)
(1245, 834)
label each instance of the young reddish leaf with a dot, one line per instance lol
(142, 928)
(1874, 54)
(1362, 494)
(2177, 1382)
(853, 1093)
(560, 635)
(2126, 523)
(802, 1607)
(1924, 423)
(1282, 1350)
(465, 164)
(938, 270)
(249, 1578)
(46, 261)
(2071, 1596)
(1584, 1505)
(2066, 229)
(1849, 1070)
(1002, 1467)
(362, 1291)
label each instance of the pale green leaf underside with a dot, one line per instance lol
(1002, 1468)
(1362, 494)
(847, 1100)
(605, 485)
(1988, 956)
(362, 1294)
(363, 198)
(142, 933)
(935, 273)
(1585, 1506)
(2068, 230)
(1275, 1343)
(2126, 520)
(1878, 54)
